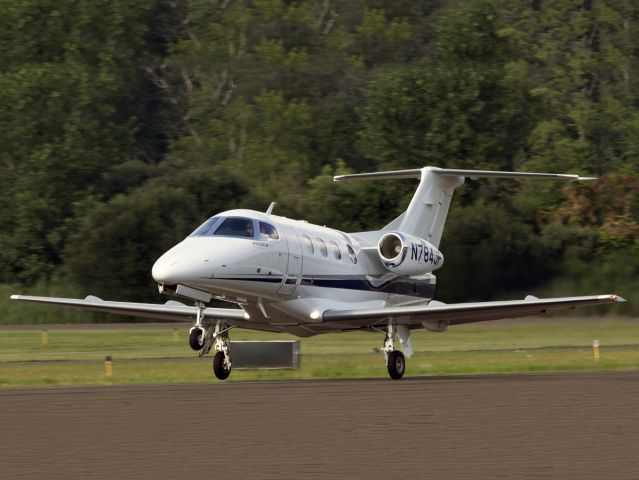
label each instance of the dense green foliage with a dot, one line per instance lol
(125, 124)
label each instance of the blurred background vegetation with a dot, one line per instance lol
(126, 124)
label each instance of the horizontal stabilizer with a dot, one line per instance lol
(426, 214)
(473, 174)
(413, 173)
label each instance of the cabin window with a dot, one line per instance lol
(351, 253)
(268, 231)
(308, 244)
(336, 251)
(236, 227)
(322, 247)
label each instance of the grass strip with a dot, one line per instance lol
(76, 357)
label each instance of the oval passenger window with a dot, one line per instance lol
(336, 250)
(308, 244)
(322, 247)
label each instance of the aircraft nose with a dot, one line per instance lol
(164, 270)
(172, 271)
(183, 264)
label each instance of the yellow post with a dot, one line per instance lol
(175, 334)
(108, 364)
(45, 337)
(595, 350)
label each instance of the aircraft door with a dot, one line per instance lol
(294, 268)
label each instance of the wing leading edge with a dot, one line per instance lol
(173, 311)
(452, 314)
(459, 313)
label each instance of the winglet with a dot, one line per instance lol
(613, 297)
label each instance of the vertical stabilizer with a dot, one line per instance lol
(426, 214)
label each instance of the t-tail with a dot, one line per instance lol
(426, 214)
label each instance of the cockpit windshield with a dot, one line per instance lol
(236, 227)
(207, 228)
(226, 227)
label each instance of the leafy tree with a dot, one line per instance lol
(76, 103)
(172, 111)
(487, 251)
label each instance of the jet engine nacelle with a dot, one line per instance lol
(407, 255)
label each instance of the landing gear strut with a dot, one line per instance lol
(395, 362)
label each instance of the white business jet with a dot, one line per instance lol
(292, 276)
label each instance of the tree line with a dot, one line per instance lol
(126, 124)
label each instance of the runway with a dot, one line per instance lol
(535, 426)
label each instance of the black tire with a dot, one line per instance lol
(396, 364)
(218, 367)
(196, 339)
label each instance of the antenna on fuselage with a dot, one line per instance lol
(269, 210)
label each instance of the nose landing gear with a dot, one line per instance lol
(196, 338)
(197, 332)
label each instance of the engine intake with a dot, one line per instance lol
(407, 255)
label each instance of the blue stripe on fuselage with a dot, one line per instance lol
(398, 285)
(252, 279)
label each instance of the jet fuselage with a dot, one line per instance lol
(281, 271)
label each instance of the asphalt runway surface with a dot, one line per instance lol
(537, 426)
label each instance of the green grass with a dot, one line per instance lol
(76, 357)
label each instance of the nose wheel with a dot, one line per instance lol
(197, 333)
(196, 338)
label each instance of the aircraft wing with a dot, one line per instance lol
(459, 313)
(171, 310)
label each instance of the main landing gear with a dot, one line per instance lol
(202, 340)
(395, 362)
